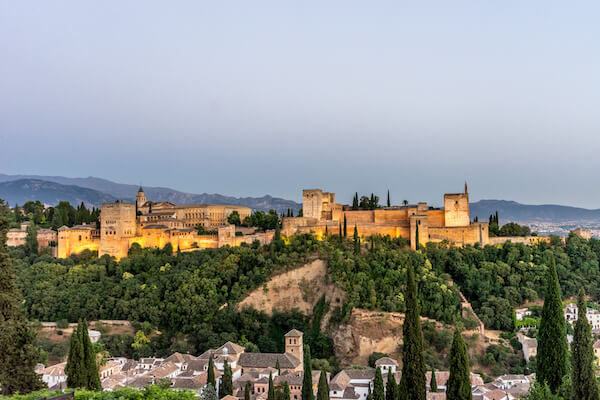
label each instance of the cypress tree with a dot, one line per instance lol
(552, 335)
(345, 226)
(31, 242)
(307, 389)
(277, 235)
(355, 201)
(75, 367)
(459, 382)
(389, 203)
(17, 212)
(341, 232)
(226, 387)
(209, 393)
(277, 367)
(433, 382)
(583, 378)
(378, 389)
(356, 241)
(89, 358)
(412, 383)
(18, 355)
(247, 391)
(286, 391)
(271, 391)
(326, 230)
(391, 388)
(323, 388)
(210, 378)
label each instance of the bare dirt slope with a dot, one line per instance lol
(299, 288)
(367, 332)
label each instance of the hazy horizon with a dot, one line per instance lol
(247, 99)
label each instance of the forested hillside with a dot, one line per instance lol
(190, 298)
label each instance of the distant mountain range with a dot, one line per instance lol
(511, 211)
(95, 191)
(23, 190)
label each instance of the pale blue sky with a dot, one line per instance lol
(254, 97)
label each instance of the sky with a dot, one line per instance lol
(248, 98)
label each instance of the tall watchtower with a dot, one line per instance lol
(293, 344)
(456, 208)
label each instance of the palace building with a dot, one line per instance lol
(416, 223)
(156, 224)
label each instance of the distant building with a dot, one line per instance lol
(529, 346)
(45, 237)
(593, 316)
(582, 233)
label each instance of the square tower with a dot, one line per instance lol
(456, 209)
(293, 344)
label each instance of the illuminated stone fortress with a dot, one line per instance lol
(412, 222)
(156, 224)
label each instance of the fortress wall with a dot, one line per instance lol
(74, 242)
(459, 234)
(364, 230)
(359, 216)
(435, 217)
(386, 216)
(519, 239)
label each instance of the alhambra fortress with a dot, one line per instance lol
(156, 224)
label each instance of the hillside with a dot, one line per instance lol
(23, 190)
(298, 288)
(127, 192)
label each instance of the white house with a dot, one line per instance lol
(386, 364)
(505, 382)
(593, 316)
(54, 375)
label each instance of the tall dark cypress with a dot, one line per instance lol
(552, 335)
(89, 358)
(18, 355)
(583, 379)
(345, 226)
(247, 390)
(391, 387)
(433, 388)
(75, 368)
(378, 389)
(307, 389)
(286, 391)
(412, 383)
(389, 203)
(458, 386)
(355, 202)
(323, 388)
(226, 387)
(341, 232)
(356, 241)
(210, 378)
(271, 391)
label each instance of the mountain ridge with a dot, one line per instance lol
(127, 192)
